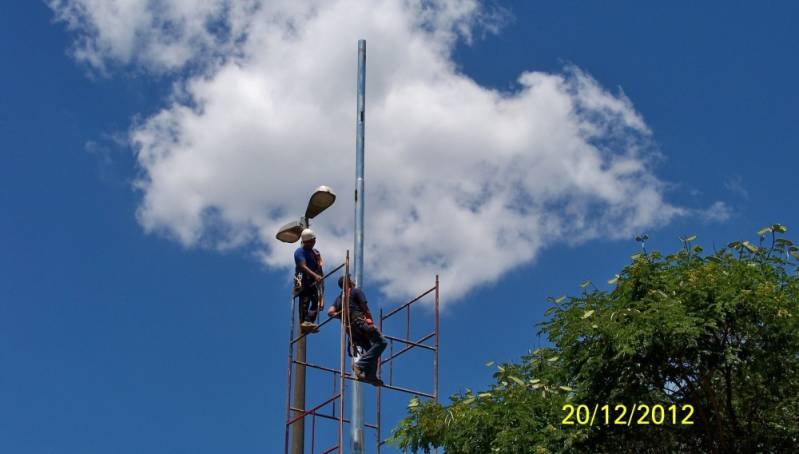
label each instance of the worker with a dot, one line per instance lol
(364, 332)
(308, 281)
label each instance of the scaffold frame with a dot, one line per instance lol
(337, 397)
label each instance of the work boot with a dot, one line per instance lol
(362, 375)
(358, 372)
(372, 380)
(309, 327)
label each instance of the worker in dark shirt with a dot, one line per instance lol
(308, 281)
(364, 332)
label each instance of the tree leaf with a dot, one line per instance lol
(779, 228)
(614, 280)
(588, 314)
(566, 388)
(763, 231)
(560, 299)
(585, 284)
(690, 238)
(517, 380)
(490, 363)
(752, 248)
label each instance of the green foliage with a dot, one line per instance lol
(518, 414)
(719, 332)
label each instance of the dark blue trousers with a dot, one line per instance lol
(370, 339)
(309, 303)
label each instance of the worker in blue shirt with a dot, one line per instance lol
(308, 281)
(364, 333)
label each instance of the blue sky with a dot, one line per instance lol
(117, 335)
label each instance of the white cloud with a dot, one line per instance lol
(462, 180)
(717, 212)
(164, 35)
(735, 185)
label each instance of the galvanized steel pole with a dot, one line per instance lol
(357, 397)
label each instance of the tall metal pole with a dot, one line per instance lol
(357, 397)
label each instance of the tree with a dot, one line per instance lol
(718, 332)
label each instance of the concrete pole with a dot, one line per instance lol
(298, 428)
(357, 396)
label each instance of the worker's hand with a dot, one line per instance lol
(318, 278)
(369, 322)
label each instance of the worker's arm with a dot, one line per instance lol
(335, 309)
(304, 267)
(332, 312)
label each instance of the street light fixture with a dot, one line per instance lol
(290, 232)
(320, 200)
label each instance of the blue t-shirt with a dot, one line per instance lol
(358, 304)
(309, 257)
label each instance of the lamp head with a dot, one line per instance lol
(320, 200)
(290, 232)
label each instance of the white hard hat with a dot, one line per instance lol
(307, 234)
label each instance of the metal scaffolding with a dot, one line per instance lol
(335, 403)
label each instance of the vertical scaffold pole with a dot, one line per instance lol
(379, 391)
(435, 352)
(288, 382)
(345, 316)
(357, 397)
